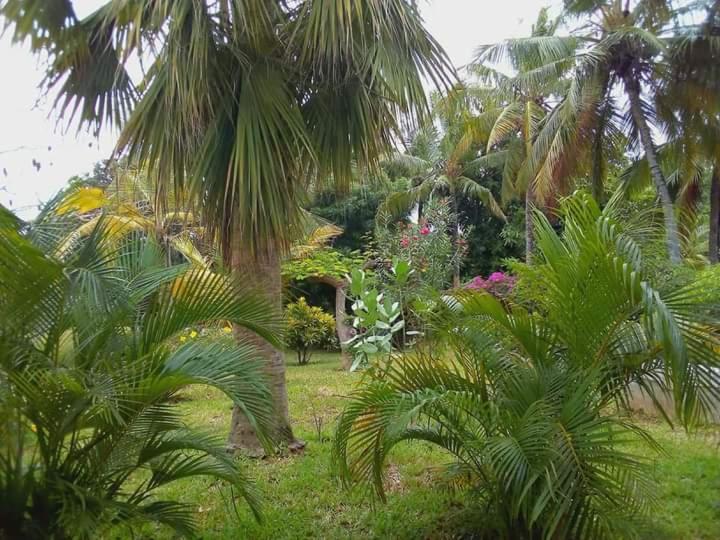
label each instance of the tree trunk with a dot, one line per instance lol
(343, 331)
(455, 237)
(529, 228)
(714, 241)
(632, 87)
(262, 273)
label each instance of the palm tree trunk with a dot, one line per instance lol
(529, 230)
(262, 273)
(632, 88)
(714, 241)
(455, 238)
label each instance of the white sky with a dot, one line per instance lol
(27, 131)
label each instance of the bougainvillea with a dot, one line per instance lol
(499, 284)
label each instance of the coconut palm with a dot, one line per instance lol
(522, 400)
(623, 48)
(516, 104)
(91, 363)
(243, 103)
(688, 109)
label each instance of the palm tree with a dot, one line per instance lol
(129, 204)
(243, 104)
(687, 108)
(440, 165)
(91, 366)
(622, 48)
(523, 400)
(516, 104)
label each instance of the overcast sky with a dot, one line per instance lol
(27, 131)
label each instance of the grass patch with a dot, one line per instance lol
(302, 499)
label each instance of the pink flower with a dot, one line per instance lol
(425, 230)
(477, 283)
(404, 242)
(496, 277)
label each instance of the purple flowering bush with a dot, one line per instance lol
(499, 284)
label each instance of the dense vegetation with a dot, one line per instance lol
(514, 265)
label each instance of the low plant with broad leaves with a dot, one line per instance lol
(377, 316)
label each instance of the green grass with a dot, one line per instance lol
(302, 499)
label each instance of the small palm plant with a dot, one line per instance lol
(89, 366)
(524, 400)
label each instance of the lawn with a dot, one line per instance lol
(303, 500)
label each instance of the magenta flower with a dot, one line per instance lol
(496, 277)
(425, 230)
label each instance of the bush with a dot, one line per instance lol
(428, 246)
(309, 328)
(499, 284)
(90, 369)
(526, 400)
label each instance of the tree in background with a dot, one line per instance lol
(354, 212)
(126, 202)
(439, 161)
(244, 103)
(624, 49)
(513, 106)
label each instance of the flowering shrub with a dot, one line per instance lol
(426, 245)
(499, 284)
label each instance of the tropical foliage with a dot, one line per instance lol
(90, 369)
(432, 246)
(521, 398)
(249, 115)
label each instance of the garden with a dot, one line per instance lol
(329, 285)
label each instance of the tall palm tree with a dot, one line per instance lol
(243, 103)
(623, 48)
(516, 104)
(688, 110)
(689, 107)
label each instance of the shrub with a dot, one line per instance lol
(308, 328)
(90, 367)
(526, 402)
(499, 284)
(428, 246)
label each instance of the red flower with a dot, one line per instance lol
(425, 230)
(404, 242)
